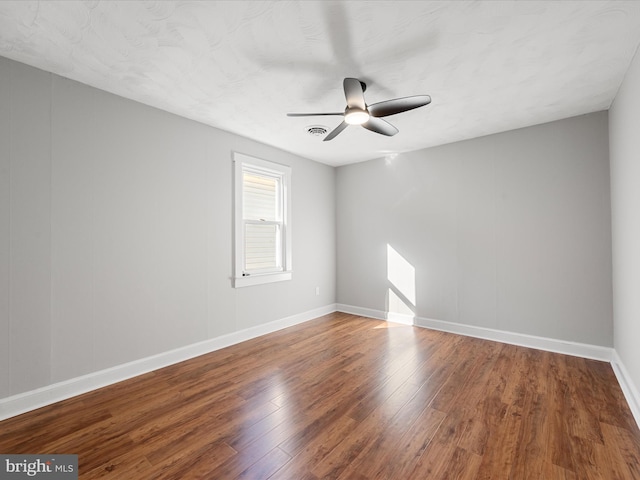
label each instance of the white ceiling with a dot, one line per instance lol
(241, 66)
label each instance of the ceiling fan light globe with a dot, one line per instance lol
(355, 116)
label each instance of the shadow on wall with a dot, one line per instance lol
(401, 294)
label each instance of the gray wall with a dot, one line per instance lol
(510, 231)
(624, 132)
(116, 232)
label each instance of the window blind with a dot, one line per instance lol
(260, 197)
(262, 222)
(261, 247)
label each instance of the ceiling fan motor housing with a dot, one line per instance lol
(355, 115)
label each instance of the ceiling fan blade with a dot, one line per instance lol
(334, 133)
(398, 105)
(354, 93)
(313, 114)
(380, 126)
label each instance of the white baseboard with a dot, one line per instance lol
(361, 311)
(27, 401)
(627, 385)
(565, 347)
(541, 343)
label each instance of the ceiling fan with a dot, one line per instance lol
(359, 113)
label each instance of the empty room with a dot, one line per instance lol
(320, 240)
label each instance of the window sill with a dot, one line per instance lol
(260, 279)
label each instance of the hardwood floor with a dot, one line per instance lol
(345, 397)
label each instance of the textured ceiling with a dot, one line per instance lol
(241, 66)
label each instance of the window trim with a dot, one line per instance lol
(242, 161)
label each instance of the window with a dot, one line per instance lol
(262, 221)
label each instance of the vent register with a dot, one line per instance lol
(316, 130)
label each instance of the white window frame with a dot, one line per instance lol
(244, 163)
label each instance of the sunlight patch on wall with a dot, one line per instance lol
(397, 304)
(401, 274)
(401, 295)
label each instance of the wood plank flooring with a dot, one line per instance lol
(346, 397)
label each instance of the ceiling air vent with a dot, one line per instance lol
(316, 130)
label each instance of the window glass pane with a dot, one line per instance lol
(261, 244)
(260, 197)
